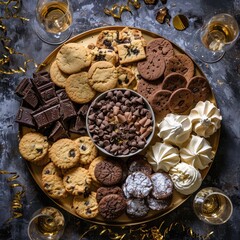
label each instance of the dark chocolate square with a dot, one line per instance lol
(57, 132)
(23, 87)
(31, 99)
(24, 117)
(67, 109)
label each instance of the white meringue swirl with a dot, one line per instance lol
(162, 156)
(175, 129)
(206, 119)
(186, 178)
(197, 153)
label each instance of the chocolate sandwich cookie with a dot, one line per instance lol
(104, 191)
(162, 185)
(181, 100)
(112, 206)
(136, 208)
(174, 81)
(159, 102)
(200, 88)
(108, 172)
(152, 68)
(139, 163)
(146, 88)
(180, 63)
(160, 46)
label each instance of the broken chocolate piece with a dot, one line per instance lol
(23, 87)
(31, 98)
(24, 117)
(58, 132)
(67, 109)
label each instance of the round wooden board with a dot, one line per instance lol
(85, 39)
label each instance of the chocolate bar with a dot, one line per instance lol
(23, 87)
(24, 117)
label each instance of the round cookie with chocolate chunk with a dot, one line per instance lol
(64, 153)
(104, 191)
(33, 146)
(78, 88)
(152, 68)
(158, 204)
(160, 46)
(102, 76)
(112, 206)
(180, 63)
(146, 88)
(53, 182)
(200, 88)
(137, 185)
(159, 102)
(136, 208)
(174, 81)
(108, 172)
(139, 163)
(73, 57)
(57, 76)
(181, 100)
(162, 185)
(86, 206)
(87, 148)
(77, 181)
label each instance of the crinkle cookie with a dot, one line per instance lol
(52, 181)
(136, 208)
(64, 153)
(88, 150)
(73, 57)
(77, 181)
(33, 146)
(137, 185)
(86, 206)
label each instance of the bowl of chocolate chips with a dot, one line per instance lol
(120, 122)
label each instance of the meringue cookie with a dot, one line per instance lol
(186, 178)
(162, 156)
(175, 129)
(197, 153)
(206, 119)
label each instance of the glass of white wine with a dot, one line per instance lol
(212, 206)
(215, 37)
(53, 20)
(46, 223)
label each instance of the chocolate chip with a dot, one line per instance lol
(71, 153)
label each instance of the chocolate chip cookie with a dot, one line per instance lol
(174, 81)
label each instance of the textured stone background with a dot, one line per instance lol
(224, 77)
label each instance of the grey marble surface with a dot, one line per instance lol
(224, 77)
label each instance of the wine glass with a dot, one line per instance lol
(212, 206)
(215, 37)
(53, 20)
(46, 223)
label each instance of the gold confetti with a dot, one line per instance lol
(9, 10)
(16, 204)
(116, 10)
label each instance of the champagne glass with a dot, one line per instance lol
(212, 206)
(53, 21)
(46, 223)
(215, 37)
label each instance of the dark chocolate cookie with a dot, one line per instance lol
(159, 101)
(137, 185)
(181, 100)
(136, 208)
(146, 88)
(180, 63)
(160, 46)
(139, 163)
(152, 68)
(162, 185)
(174, 81)
(104, 191)
(108, 172)
(112, 206)
(200, 88)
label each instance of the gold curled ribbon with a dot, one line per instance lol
(143, 232)
(116, 10)
(10, 10)
(16, 204)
